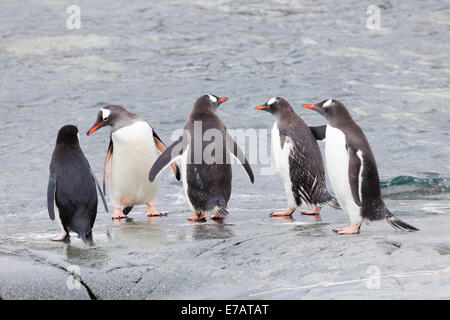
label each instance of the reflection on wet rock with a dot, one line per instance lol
(211, 231)
(313, 230)
(93, 257)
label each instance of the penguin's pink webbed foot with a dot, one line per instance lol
(63, 238)
(352, 229)
(314, 212)
(151, 212)
(287, 212)
(118, 214)
(197, 217)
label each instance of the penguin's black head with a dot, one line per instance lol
(275, 106)
(209, 101)
(107, 116)
(67, 135)
(331, 109)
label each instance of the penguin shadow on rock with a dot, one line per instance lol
(71, 192)
(298, 160)
(206, 175)
(132, 150)
(352, 169)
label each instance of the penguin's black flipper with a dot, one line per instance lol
(240, 156)
(173, 152)
(99, 189)
(155, 136)
(51, 189)
(108, 158)
(162, 147)
(319, 132)
(354, 166)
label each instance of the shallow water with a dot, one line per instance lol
(156, 58)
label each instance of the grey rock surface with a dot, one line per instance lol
(251, 256)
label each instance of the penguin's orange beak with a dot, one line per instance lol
(261, 108)
(95, 128)
(222, 100)
(308, 106)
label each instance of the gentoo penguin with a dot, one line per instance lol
(131, 153)
(298, 160)
(204, 150)
(352, 168)
(71, 188)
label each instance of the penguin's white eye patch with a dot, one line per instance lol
(271, 101)
(328, 103)
(212, 98)
(105, 114)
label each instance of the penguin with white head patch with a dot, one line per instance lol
(352, 169)
(298, 160)
(131, 153)
(204, 149)
(71, 192)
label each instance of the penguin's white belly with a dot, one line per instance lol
(57, 216)
(134, 153)
(337, 167)
(281, 156)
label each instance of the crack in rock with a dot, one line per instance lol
(27, 254)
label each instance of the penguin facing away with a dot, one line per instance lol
(298, 160)
(206, 175)
(131, 152)
(352, 168)
(71, 192)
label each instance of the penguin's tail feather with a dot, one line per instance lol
(218, 205)
(396, 223)
(87, 237)
(221, 211)
(83, 237)
(127, 210)
(334, 203)
(330, 201)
